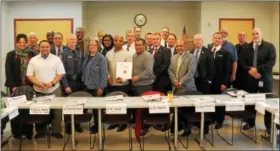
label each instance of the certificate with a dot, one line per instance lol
(124, 70)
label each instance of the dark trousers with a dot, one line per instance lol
(27, 129)
(93, 92)
(123, 88)
(138, 90)
(219, 115)
(75, 85)
(203, 86)
(162, 84)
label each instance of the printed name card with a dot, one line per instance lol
(205, 107)
(77, 101)
(39, 109)
(114, 98)
(15, 101)
(73, 109)
(204, 99)
(235, 105)
(116, 108)
(44, 99)
(276, 118)
(159, 108)
(13, 112)
(260, 107)
(151, 97)
(253, 98)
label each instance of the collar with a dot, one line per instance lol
(217, 48)
(181, 54)
(156, 47)
(44, 57)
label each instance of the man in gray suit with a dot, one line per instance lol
(181, 71)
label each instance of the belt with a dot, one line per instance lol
(73, 77)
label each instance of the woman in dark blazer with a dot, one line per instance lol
(15, 69)
(95, 75)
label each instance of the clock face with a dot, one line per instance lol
(140, 20)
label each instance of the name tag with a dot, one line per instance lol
(159, 108)
(260, 84)
(276, 118)
(13, 112)
(73, 109)
(15, 101)
(254, 98)
(116, 109)
(235, 106)
(204, 107)
(39, 109)
(260, 107)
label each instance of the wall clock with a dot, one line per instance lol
(140, 20)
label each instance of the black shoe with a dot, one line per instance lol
(121, 128)
(247, 127)
(113, 126)
(185, 134)
(40, 135)
(94, 129)
(218, 126)
(78, 128)
(57, 135)
(164, 128)
(144, 132)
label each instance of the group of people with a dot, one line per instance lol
(160, 63)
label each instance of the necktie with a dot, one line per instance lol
(196, 59)
(165, 44)
(255, 55)
(127, 48)
(58, 52)
(214, 52)
(179, 61)
(155, 52)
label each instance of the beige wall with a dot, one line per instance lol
(266, 16)
(117, 17)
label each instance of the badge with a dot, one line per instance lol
(70, 57)
(260, 84)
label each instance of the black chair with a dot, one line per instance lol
(25, 118)
(117, 119)
(242, 116)
(79, 119)
(156, 119)
(194, 118)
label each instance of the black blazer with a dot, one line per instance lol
(161, 61)
(205, 65)
(53, 51)
(12, 69)
(223, 65)
(265, 62)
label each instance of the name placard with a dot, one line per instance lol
(15, 101)
(205, 107)
(253, 98)
(260, 107)
(235, 105)
(39, 109)
(159, 108)
(13, 112)
(116, 108)
(73, 109)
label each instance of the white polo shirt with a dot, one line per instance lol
(45, 70)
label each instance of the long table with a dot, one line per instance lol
(137, 102)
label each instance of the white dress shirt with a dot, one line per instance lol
(131, 48)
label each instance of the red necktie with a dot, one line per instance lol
(155, 52)
(214, 50)
(58, 52)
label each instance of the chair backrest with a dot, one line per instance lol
(152, 92)
(24, 90)
(117, 93)
(80, 94)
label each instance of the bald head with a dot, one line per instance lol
(180, 46)
(118, 42)
(32, 39)
(224, 33)
(72, 41)
(242, 37)
(49, 36)
(257, 35)
(198, 41)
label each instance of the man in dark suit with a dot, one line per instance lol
(149, 41)
(162, 57)
(222, 60)
(257, 60)
(242, 38)
(49, 36)
(205, 70)
(171, 43)
(58, 47)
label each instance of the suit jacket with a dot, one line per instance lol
(223, 66)
(85, 45)
(161, 64)
(53, 51)
(13, 69)
(185, 73)
(265, 61)
(205, 65)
